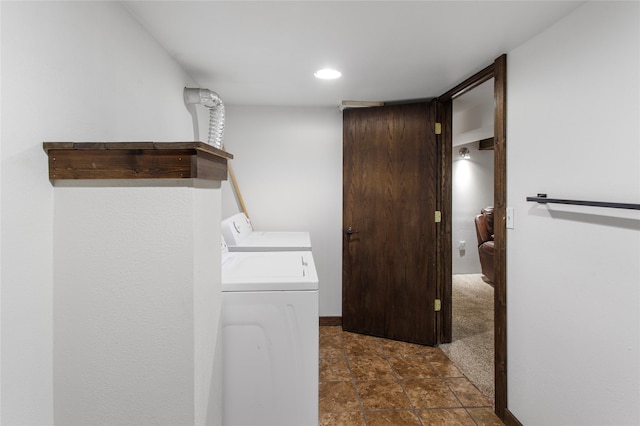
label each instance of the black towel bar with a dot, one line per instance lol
(542, 198)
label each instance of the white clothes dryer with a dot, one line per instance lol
(240, 236)
(269, 338)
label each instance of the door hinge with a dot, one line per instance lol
(438, 216)
(438, 128)
(437, 305)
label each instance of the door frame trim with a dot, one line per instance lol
(498, 71)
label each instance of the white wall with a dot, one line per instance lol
(574, 272)
(472, 190)
(71, 71)
(288, 163)
(473, 114)
(207, 301)
(134, 271)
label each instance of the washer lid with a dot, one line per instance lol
(268, 271)
(273, 241)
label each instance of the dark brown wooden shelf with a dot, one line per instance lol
(136, 160)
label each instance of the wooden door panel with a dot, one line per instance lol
(390, 195)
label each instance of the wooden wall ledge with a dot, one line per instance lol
(136, 160)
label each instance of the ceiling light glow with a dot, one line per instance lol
(327, 74)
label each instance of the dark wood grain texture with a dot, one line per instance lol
(136, 160)
(500, 259)
(445, 268)
(390, 180)
(469, 84)
(510, 419)
(330, 321)
(485, 144)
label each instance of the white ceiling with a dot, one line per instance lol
(265, 52)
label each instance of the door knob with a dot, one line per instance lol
(350, 231)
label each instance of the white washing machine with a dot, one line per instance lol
(269, 338)
(240, 236)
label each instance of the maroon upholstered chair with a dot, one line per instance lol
(484, 232)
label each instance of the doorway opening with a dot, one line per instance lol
(441, 260)
(498, 71)
(472, 181)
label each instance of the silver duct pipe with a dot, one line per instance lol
(212, 101)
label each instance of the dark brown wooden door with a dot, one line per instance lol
(390, 182)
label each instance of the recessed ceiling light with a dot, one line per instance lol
(327, 74)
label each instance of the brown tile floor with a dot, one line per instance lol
(369, 381)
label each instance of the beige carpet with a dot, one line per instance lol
(472, 345)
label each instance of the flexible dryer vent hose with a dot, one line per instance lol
(212, 101)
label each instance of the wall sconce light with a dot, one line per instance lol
(464, 153)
